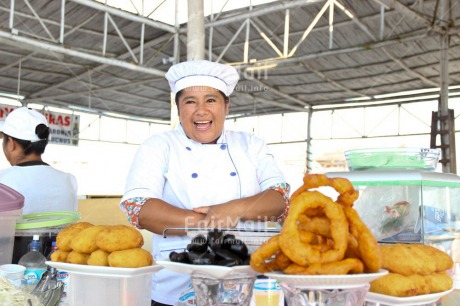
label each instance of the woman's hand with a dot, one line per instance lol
(217, 216)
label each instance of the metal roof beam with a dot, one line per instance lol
(100, 67)
(407, 68)
(258, 12)
(286, 96)
(68, 29)
(118, 12)
(416, 98)
(249, 97)
(405, 10)
(366, 29)
(316, 29)
(98, 59)
(329, 80)
(147, 109)
(93, 91)
(280, 93)
(376, 45)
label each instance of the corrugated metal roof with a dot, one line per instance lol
(377, 47)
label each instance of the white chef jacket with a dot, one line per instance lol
(45, 189)
(188, 174)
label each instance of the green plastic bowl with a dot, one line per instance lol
(393, 158)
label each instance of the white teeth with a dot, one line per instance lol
(200, 122)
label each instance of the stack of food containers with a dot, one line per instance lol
(11, 204)
(46, 224)
(402, 197)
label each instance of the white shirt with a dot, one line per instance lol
(188, 174)
(44, 188)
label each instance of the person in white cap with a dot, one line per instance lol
(200, 175)
(25, 135)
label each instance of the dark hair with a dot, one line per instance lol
(42, 131)
(37, 147)
(180, 92)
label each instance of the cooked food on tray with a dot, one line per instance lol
(119, 237)
(216, 248)
(320, 236)
(130, 258)
(415, 269)
(408, 259)
(65, 236)
(101, 245)
(85, 240)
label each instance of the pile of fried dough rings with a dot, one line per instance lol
(320, 236)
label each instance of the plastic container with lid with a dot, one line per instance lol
(422, 159)
(107, 286)
(47, 225)
(11, 204)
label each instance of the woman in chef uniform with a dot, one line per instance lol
(200, 175)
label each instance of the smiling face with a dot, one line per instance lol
(202, 111)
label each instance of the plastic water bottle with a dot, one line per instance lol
(34, 261)
(54, 248)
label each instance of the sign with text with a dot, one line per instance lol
(64, 128)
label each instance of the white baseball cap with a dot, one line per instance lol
(202, 73)
(22, 122)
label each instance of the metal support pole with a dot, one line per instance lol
(195, 30)
(286, 34)
(309, 150)
(174, 117)
(11, 20)
(62, 28)
(444, 86)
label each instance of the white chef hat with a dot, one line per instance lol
(22, 122)
(202, 73)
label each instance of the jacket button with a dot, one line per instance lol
(223, 146)
(188, 148)
(232, 173)
(194, 175)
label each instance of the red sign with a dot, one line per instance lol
(64, 128)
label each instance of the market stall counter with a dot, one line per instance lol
(324, 253)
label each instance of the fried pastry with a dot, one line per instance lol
(65, 236)
(85, 240)
(77, 258)
(132, 258)
(408, 259)
(439, 282)
(395, 285)
(59, 256)
(119, 237)
(98, 258)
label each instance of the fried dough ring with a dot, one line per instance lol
(263, 253)
(304, 254)
(347, 193)
(311, 181)
(316, 225)
(280, 262)
(321, 226)
(368, 248)
(345, 266)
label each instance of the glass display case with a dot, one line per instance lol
(408, 206)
